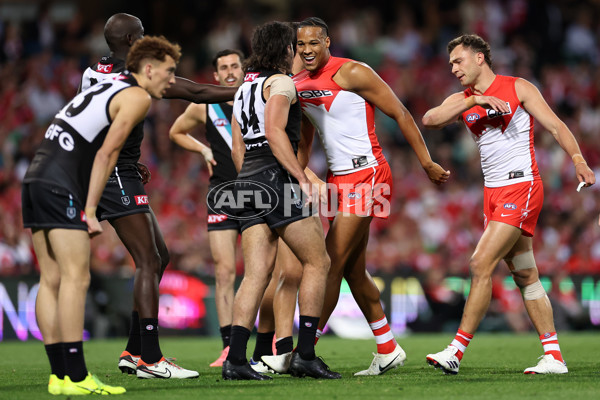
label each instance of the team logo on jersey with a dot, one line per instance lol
(105, 68)
(71, 212)
(221, 122)
(354, 195)
(140, 200)
(82, 216)
(125, 200)
(472, 118)
(510, 206)
(250, 76)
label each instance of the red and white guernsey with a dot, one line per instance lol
(345, 121)
(505, 141)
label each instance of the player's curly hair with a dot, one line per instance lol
(269, 47)
(151, 47)
(475, 43)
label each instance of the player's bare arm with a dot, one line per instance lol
(238, 149)
(534, 104)
(276, 117)
(194, 115)
(365, 82)
(199, 92)
(127, 109)
(307, 133)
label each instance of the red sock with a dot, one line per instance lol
(318, 335)
(383, 336)
(550, 343)
(461, 341)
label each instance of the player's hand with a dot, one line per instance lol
(436, 173)
(144, 172)
(493, 103)
(309, 191)
(209, 158)
(94, 227)
(585, 174)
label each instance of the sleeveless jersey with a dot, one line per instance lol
(218, 134)
(66, 155)
(249, 111)
(505, 141)
(109, 68)
(345, 121)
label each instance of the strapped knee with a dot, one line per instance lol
(534, 291)
(523, 261)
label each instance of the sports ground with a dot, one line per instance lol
(492, 369)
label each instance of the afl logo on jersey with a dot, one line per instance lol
(472, 118)
(250, 76)
(510, 206)
(220, 122)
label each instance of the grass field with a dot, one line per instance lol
(492, 369)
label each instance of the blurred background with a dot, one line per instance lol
(420, 255)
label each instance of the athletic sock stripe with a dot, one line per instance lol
(386, 337)
(551, 347)
(462, 340)
(381, 331)
(458, 345)
(464, 334)
(378, 324)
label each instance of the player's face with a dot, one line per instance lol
(465, 64)
(229, 70)
(313, 47)
(162, 77)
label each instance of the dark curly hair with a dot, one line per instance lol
(269, 47)
(475, 43)
(151, 47)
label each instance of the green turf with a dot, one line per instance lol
(492, 369)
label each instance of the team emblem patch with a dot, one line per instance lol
(71, 212)
(125, 200)
(510, 206)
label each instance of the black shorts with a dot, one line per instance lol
(271, 197)
(221, 216)
(122, 197)
(48, 206)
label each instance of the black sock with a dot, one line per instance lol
(149, 340)
(284, 345)
(57, 359)
(134, 344)
(264, 345)
(306, 337)
(74, 361)
(238, 345)
(225, 335)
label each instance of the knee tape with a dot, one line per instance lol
(524, 261)
(534, 291)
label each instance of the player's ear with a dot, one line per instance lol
(216, 76)
(327, 41)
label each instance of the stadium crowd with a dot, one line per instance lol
(432, 231)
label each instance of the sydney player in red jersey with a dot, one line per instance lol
(338, 97)
(499, 111)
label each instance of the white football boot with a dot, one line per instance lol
(384, 362)
(163, 369)
(548, 365)
(446, 360)
(279, 363)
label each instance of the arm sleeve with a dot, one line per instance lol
(283, 85)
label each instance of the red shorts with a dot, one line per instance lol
(517, 205)
(367, 192)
